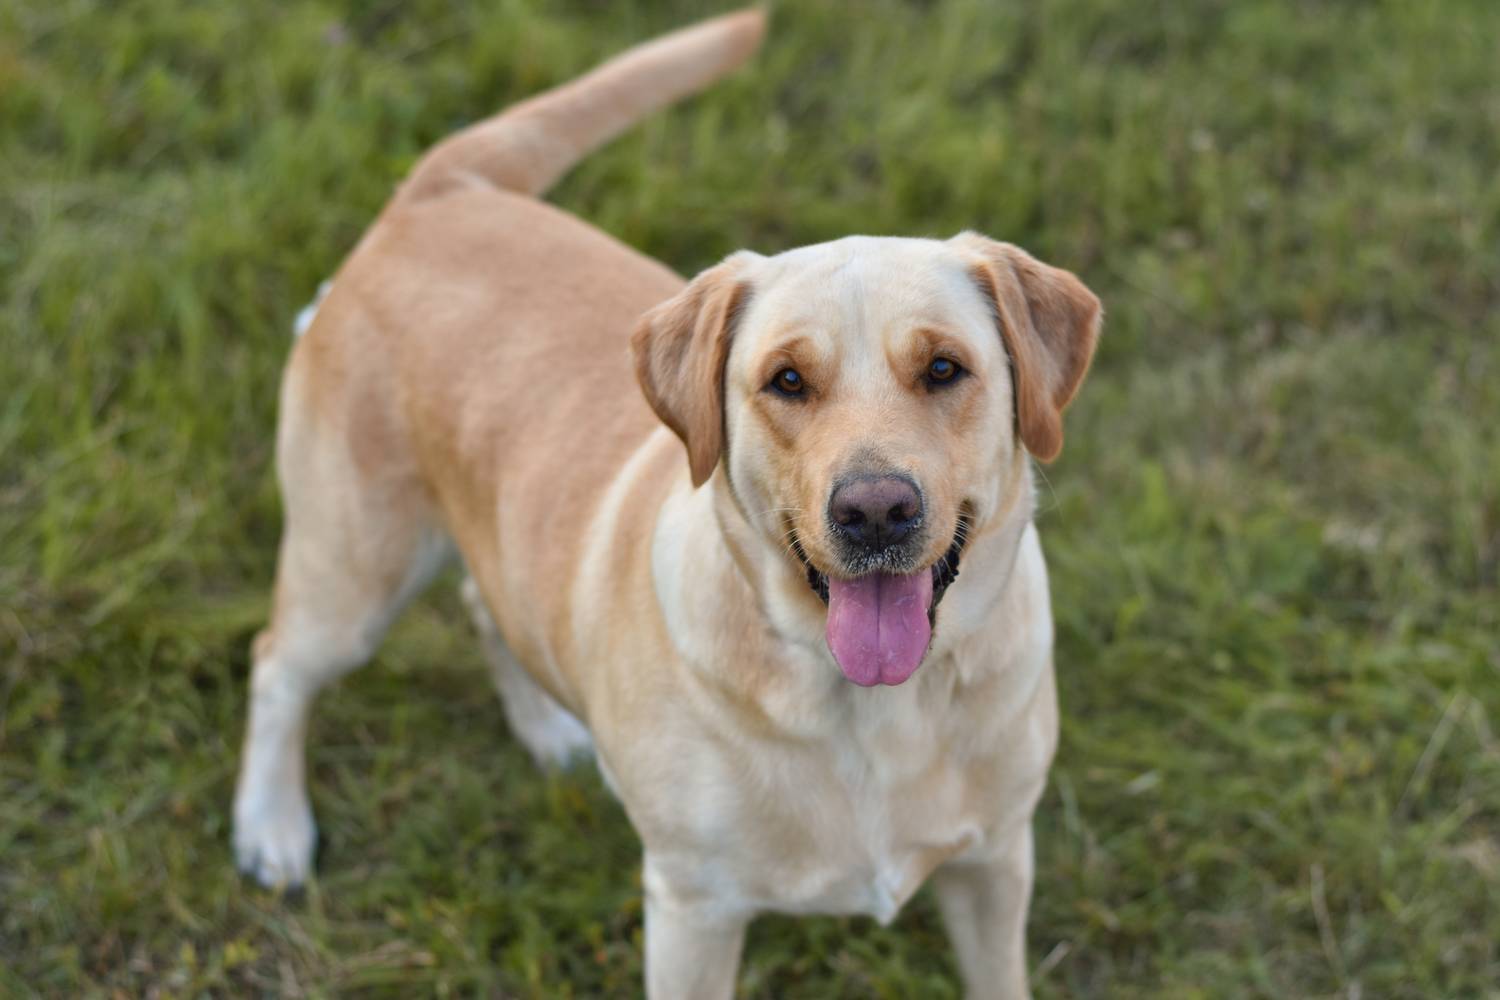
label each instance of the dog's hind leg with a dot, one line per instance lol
(357, 545)
(551, 733)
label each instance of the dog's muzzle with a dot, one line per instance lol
(944, 571)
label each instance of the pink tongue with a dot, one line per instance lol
(877, 625)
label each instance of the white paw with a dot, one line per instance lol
(274, 840)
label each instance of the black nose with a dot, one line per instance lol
(875, 512)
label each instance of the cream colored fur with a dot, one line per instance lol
(466, 385)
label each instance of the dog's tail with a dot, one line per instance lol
(530, 145)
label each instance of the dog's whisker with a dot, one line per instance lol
(1050, 491)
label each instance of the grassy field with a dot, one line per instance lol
(1275, 533)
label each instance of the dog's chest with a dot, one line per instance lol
(864, 822)
(879, 875)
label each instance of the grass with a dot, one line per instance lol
(1275, 533)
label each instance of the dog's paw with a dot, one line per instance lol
(274, 842)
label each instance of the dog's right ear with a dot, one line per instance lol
(680, 349)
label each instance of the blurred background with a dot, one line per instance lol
(1274, 534)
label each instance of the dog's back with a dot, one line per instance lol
(485, 333)
(466, 379)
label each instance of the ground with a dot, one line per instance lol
(1274, 533)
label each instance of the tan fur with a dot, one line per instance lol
(680, 349)
(468, 385)
(1050, 322)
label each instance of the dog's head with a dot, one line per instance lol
(868, 399)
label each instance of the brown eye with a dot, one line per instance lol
(942, 371)
(788, 382)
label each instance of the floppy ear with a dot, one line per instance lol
(680, 348)
(1050, 323)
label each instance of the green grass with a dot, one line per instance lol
(1275, 533)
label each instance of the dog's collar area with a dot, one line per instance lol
(944, 571)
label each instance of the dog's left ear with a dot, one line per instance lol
(1050, 323)
(680, 348)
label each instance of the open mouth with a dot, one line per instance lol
(880, 624)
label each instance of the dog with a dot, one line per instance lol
(713, 530)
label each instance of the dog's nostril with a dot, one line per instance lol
(902, 512)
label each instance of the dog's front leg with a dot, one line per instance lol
(984, 907)
(692, 947)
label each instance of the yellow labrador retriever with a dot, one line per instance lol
(720, 551)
